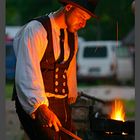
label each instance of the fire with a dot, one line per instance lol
(118, 111)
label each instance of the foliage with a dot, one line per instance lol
(109, 12)
(28, 9)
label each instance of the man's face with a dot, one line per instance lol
(76, 19)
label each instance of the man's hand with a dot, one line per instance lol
(47, 117)
(71, 100)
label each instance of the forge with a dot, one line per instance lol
(108, 129)
(105, 120)
(113, 127)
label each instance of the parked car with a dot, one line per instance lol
(10, 32)
(96, 60)
(124, 72)
(10, 60)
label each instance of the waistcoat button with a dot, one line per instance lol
(56, 90)
(64, 83)
(63, 90)
(64, 76)
(57, 69)
(56, 76)
(56, 83)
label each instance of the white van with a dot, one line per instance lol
(96, 59)
(124, 71)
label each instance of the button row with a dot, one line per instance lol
(56, 83)
(56, 76)
(63, 90)
(57, 69)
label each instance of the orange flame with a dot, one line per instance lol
(118, 112)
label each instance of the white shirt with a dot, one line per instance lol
(29, 45)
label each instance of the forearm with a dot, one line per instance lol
(72, 76)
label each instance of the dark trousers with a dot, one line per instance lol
(35, 131)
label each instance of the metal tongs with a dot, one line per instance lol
(70, 133)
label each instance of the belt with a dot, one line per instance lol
(55, 95)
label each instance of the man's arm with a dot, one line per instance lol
(29, 46)
(72, 75)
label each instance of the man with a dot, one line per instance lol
(45, 79)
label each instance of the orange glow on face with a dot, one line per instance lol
(118, 112)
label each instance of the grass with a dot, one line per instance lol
(9, 90)
(130, 108)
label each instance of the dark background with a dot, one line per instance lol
(18, 12)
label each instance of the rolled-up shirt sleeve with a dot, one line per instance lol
(29, 47)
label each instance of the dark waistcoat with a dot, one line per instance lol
(54, 72)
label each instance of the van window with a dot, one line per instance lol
(95, 52)
(122, 52)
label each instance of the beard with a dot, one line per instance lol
(73, 28)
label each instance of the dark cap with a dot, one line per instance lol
(86, 5)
